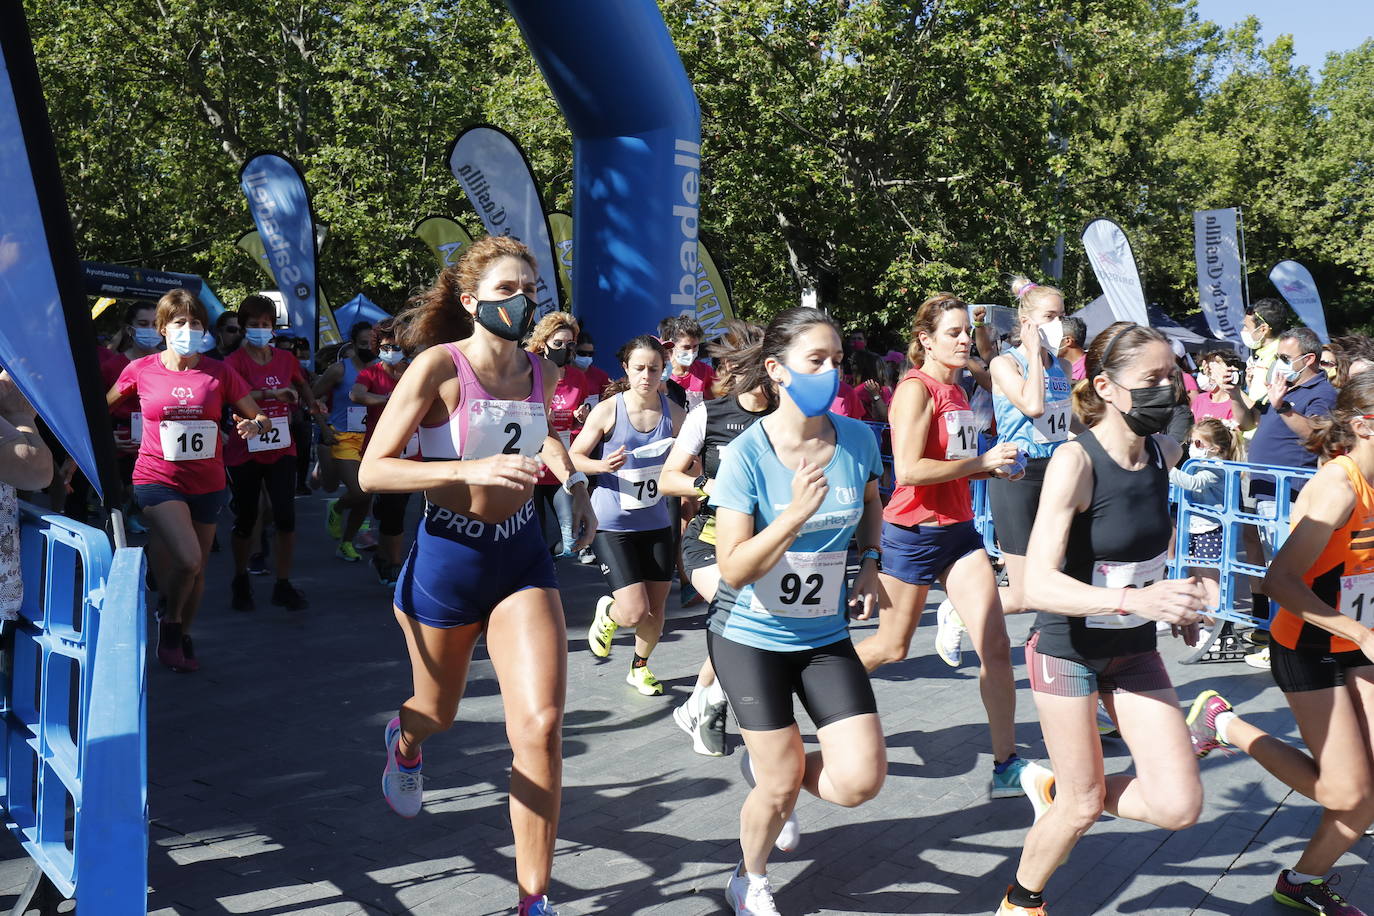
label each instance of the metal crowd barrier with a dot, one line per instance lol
(74, 715)
(1233, 516)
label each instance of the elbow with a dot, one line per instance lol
(730, 574)
(1035, 411)
(369, 479)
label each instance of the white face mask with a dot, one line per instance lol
(684, 357)
(1052, 334)
(1249, 339)
(1197, 452)
(1204, 382)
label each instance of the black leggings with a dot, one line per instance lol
(390, 509)
(247, 480)
(830, 681)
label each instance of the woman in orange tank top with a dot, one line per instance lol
(1321, 653)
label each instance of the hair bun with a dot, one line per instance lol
(1021, 284)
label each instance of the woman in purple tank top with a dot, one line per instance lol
(632, 432)
(479, 564)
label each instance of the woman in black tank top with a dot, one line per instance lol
(1098, 553)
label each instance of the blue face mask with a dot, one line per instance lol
(186, 341)
(582, 362)
(814, 393)
(207, 342)
(147, 338)
(391, 356)
(258, 337)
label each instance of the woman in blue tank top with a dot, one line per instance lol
(632, 432)
(1031, 389)
(479, 567)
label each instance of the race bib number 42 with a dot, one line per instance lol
(1125, 575)
(278, 437)
(188, 440)
(802, 585)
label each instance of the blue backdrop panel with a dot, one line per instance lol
(636, 159)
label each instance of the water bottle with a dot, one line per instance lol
(1017, 469)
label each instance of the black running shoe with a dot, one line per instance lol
(286, 595)
(241, 593)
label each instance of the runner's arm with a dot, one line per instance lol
(359, 394)
(911, 414)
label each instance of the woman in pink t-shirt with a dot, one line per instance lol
(179, 473)
(1220, 378)
(555, 337)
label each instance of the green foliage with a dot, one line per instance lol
(873, 150)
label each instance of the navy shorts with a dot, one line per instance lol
(921, 555)
(459, 568)
(205, 507)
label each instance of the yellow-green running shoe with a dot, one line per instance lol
(643, 680)
(333, 519)
(348, 552)
(602, 630)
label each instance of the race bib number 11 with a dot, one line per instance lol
(1356, 599)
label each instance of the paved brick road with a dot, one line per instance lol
(264, 795)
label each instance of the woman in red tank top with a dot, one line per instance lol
(928, 531)
(1321, 653)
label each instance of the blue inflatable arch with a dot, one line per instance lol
(636, 160)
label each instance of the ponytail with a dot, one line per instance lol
(1332, 436)
(437, 315)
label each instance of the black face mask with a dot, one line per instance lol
(560, 357)
(509, 319)
(1151, 410)
(364, 356)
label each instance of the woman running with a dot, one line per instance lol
(267, 461)
(479, 563)
(179, 474)
(690, 471)
(793, 490)
(373, 389)
(554, 338)
(1030, 401)
(1099, 549)
(347, 425)
(928, 531)
(1321, 653)
(633, 431)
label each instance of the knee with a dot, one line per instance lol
(858, 785)
(538, 733)
(631, 612)
(1179, 812)
(994, 649)
(182, 565)
(438, 716)
(778, 785)
(1082, 807)
(1344, 793)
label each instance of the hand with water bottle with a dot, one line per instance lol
(1005, 460)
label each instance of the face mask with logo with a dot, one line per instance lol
(391, 355)
(684, 357)
(187, 341)
(1204, 382)
(1052, 335)
(559, 356)
(1150, 410)
(582, 362)
(813, 393)
(258, 337)
(1197, 451)
(147, 338)
(509, 319)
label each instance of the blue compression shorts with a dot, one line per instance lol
(461, 568)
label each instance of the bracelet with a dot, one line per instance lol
(1121, 605)
(979, 324)
(258, 421)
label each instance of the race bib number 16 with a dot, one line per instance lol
(188, 440)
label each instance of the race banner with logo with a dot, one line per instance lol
(280, 204)
(1114, 264)
(561, 228)
(445, 238)
(1216, 250)
(496, 176)
(47, 341)
(1294, 282)
(251, 243)
(713, 298)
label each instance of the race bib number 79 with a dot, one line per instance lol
(802, 585)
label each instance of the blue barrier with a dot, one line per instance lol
(1232, 516)
(74, 713)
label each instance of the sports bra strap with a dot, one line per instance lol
(466, 376)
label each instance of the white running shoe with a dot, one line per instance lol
(706, 725)
(949, 633)
(1106, 725)
(1038, 781)
(402, 789)
(750, 898)
(1259, 659)
(789, 838)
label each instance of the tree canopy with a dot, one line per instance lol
(875, 151)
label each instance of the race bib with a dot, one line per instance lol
(357, 419)
(188, 440)
(278, 437)
(1356, 599)
(695, 399)
(1125, 575)
(1052, 425)
(639, 487)
(592, 400)
(802, 585)
(136, 428)
(504, 428)
(961, 435)
(412, 447)
(565, 436)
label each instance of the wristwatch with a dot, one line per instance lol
(1285, 407)
(700, 485)
(872, 553)
(573, 480)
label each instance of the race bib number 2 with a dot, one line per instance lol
(505, 428)
(188, 440)
(802, 585)
(1125, 575)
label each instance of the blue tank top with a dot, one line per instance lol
(339, 404)
(629, 500)
(1037, 437)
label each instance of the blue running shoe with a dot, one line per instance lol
(1007, 783)
(402, 787)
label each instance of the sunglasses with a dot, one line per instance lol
(232, 329)
(586, 352)
(1328, 364)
